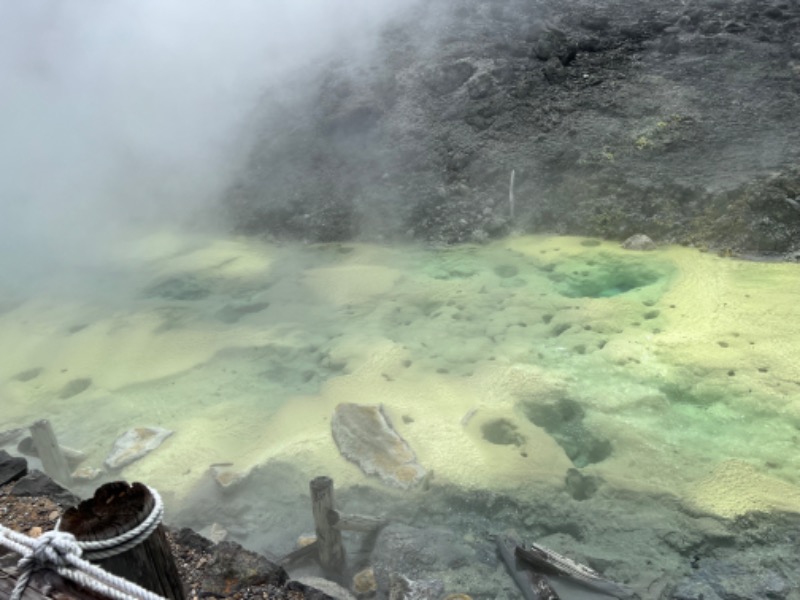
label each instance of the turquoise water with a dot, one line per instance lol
(503, 366)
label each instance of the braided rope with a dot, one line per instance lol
(125, 541)
(61, 552)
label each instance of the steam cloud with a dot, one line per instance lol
(132, 113)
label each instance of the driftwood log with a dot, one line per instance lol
(533, 586)
(530, 565)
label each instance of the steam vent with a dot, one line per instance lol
(516, 280)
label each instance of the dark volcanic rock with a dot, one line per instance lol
(10, 435)
(232, 568)
(191, 539)
(11, 467)
(618, 116)
(37, 483)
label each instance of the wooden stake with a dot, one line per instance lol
(53, 460)
(329, 539)
(116, 508)
(511, 202)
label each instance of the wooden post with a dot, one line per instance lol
(116, 508)
(329, 539)
(53, 460)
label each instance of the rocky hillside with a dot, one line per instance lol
(679, 119)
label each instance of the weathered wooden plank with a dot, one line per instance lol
(41, 586)
(329, 539)
(53, 460)
(363, 523)
(301, 553)
(548, 561)
(533, 586)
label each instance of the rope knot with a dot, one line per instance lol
(50, 550)
(59, 551)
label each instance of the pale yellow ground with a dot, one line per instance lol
(716, 316)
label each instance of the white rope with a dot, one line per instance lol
(131, 538)
(59, 551)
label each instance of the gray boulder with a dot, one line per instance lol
(639, 242)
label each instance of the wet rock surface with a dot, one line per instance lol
(416, 553)
(748, 564)
(11, 435)
(445, 536)
(11, 467)
(134, 444)
(35, 484)
(365, 436)
(717, 580)
(670, 119)
(233, 568)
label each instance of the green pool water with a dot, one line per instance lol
(504, 364)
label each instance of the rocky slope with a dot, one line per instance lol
(675, 119)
